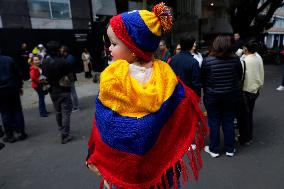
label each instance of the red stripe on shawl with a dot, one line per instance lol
(133, 171)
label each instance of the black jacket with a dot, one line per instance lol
(187, 68)
(54, 68)
(221, 75)
(9, 74)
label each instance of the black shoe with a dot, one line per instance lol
(9, 139)
(90, 75)
(22, 136)
(44, 115)
(2, 145)
(66, 139)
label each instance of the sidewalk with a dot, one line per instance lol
(84, 87)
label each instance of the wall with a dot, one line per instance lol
(15, 14)
(80, 11)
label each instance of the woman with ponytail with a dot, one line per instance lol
(146, 119)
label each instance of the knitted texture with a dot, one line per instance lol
(141, 30)
(133, 99)
(135, 152)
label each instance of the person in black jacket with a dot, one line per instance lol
(55, 68)
(11, 85)
(65, 53)
(221, 74)
(186, 67)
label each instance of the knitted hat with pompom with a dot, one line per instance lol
(141, 30)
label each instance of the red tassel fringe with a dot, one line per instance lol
(101, 183)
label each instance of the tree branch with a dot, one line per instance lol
(263, 6)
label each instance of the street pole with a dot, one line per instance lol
(91, 10)
(145, 4)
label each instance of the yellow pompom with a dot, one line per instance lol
(165, 16)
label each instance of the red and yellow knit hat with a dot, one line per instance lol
(141, 30)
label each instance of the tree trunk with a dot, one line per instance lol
(249, 19)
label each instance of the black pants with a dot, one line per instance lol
(63, 106)
(11, 111)
(245, 116)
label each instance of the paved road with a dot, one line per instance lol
(42, 162)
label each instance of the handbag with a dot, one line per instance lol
(66, 81)
(44, 86)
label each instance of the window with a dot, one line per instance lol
(52, 9)
(60, 10)
(39, 8)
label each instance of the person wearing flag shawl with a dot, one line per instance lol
(146, 119)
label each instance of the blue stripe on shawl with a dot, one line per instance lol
(138, 30)
(135, 135)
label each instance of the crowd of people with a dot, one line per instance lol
(230, 78)
(50, 70)
(160, 94)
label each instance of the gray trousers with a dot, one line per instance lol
(63, 106)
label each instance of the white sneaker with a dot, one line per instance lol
(280, 88)
(75, 110)
(212, 154)
(231, 154)
(193, 147)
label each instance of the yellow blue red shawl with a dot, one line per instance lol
(141, 131)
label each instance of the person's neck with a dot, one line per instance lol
(144, 64)
(36, 66)
(249, 53)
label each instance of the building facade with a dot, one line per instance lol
(53, 14)
(275, 36)
(201, 19)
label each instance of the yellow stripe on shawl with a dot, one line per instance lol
(151, 21)
(124, 95)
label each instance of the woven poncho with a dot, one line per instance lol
(141, 131)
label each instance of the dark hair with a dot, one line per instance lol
(222, 46)
(35, 55)
(52, 48)
(252, 46)
(65, 48)
(163, 41)
(186, 43)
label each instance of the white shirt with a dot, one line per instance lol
(141, 74)
(198, 57)
(239, 52)
(41, 77)
(254, 76)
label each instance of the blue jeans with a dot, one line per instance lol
(221, 113)
(41, 103)
(74, 97)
